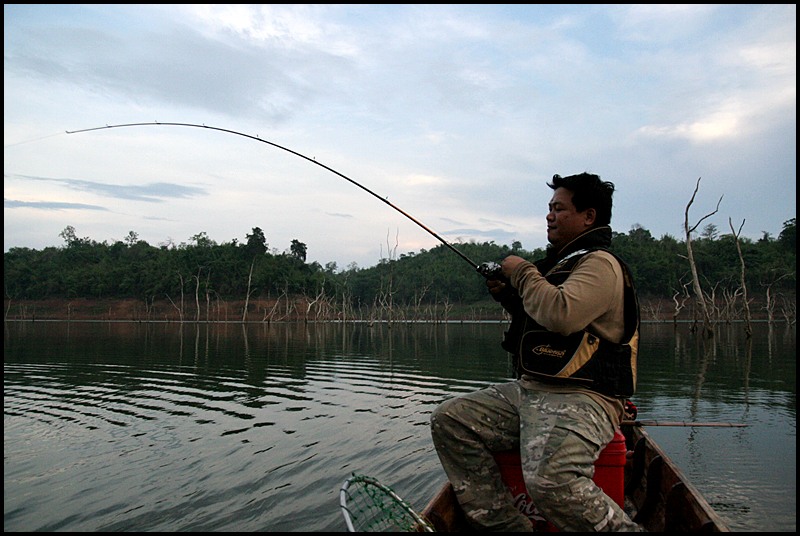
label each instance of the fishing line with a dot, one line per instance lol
(31, 140)
(485, 268)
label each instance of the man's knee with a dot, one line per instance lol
(543, 495)
(442, 417)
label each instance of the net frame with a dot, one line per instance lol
(369, 506)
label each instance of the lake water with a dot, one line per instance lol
(225, 427)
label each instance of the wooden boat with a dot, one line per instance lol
(657, 494)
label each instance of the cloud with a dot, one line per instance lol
(49, 205)
(458, 114)
(149, 193)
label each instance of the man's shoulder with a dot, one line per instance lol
(601, 257)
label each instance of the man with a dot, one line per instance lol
(574, 339)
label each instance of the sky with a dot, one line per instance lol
(455, 115)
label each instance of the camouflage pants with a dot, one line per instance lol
(560, 435)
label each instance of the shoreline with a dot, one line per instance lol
(298, 310)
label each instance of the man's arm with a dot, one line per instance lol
(592, 289)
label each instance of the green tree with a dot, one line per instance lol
(256, 243)
(132, 238)
(298, 250)
(788, 236)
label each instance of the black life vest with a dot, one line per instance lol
(580, 358)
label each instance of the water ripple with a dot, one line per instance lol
(256, 430)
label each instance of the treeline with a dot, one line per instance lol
(198, 278)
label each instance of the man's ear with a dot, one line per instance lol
(590, 215)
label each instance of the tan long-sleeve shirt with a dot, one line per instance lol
(591, 298)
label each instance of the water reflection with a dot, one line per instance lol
(143, 427)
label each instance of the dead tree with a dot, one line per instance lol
(270, 315)
(180, 309)
(148, 307)
(8, 306)
(208, 296)
(310, 303)
(249, 291)
(290, 302)
(219, 303)
(384, 302)
(348, 311)
(730, 297)
(710, 299)
(680, 303)
(651, 309)
(197, 294)
(789, 310)
(747, 318)
(769, 307)
(708, 330)
(387, 297)
(418, 298)
(447, 306)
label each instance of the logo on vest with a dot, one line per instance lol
(548, 351)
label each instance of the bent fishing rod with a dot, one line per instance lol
(487, 269)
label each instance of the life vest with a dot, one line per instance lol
(580, 358)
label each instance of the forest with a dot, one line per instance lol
(202, 280)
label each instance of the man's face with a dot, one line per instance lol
(564, 222)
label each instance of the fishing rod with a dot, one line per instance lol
(685, 423)
(487, 269)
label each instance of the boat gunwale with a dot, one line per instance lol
(657, 494)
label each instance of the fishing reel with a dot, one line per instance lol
(491, 270)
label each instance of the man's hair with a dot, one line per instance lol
(588, 191)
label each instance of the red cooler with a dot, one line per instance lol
(609, 474)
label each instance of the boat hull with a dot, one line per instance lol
(658, 495)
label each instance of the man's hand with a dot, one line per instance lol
(510, 264)
(496, 287)
(501, 288)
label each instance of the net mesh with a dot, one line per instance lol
(369, 506)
